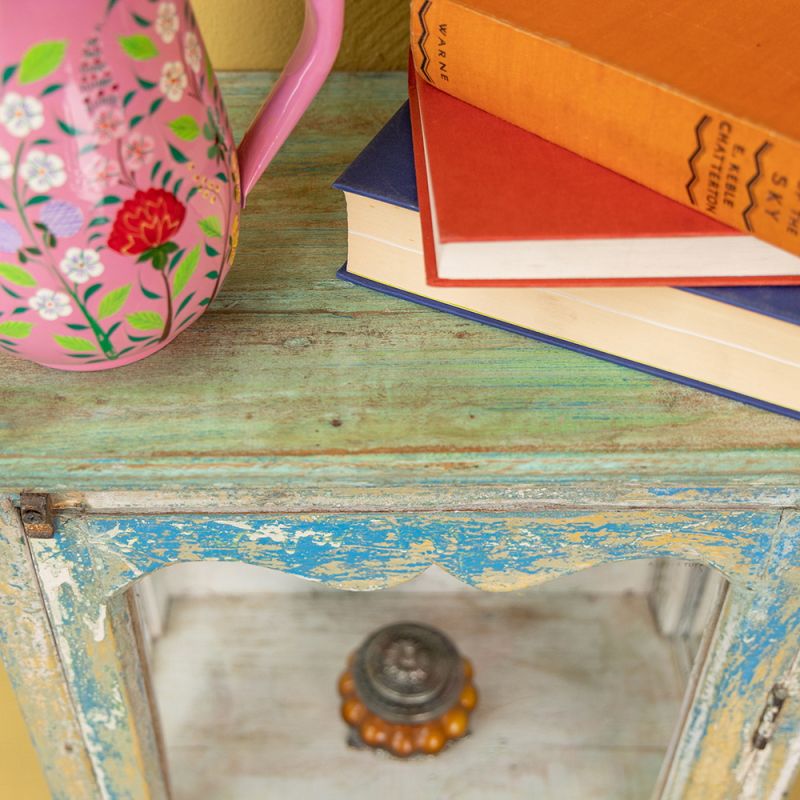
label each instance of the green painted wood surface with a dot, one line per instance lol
(296, 380)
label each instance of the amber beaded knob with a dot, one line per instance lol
(407, 690)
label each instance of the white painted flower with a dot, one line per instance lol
(80, 265)
(100, 171)
(50, 305)
(167, 22)
(6, 167)
(43, 171)
(138, 151)
(173, 80)
(192, 51)
(109, 124)
(21, 115)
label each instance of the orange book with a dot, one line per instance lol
(697, 100)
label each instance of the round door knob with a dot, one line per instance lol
(407, 690)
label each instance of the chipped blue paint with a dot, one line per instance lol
(358, 547)
(756, 549)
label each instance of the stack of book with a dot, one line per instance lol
(624, 184)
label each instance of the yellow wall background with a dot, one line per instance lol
(259, 34)
(20, 775)
(239, 34)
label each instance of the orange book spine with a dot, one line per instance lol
(730, 169)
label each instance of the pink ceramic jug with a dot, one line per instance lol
(120, 186)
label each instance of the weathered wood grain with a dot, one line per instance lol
(102, 667)
(578, 697)
(755, 652)
(292, 370)
(756, 647)
(28, 650)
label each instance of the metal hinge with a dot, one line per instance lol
(769, 716)
(37, 515)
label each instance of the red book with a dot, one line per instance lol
(503, 207)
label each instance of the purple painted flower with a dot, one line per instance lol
(62, 218)
(10, 240)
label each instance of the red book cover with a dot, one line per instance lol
(483, 180)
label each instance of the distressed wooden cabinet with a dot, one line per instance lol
(350, 438)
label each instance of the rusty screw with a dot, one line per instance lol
(37, 516)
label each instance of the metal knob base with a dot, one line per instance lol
(407, 690)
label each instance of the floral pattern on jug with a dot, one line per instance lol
(119, 185)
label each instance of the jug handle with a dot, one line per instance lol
(301, 79)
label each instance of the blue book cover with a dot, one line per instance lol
(384, 171)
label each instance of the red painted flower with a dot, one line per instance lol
(147, 221)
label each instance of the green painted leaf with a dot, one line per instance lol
(155, 105)
(211, 226)
(185, 270)
(135, 121)
(67, 128)
(92, 290)
(113, 301)
(108, 200)
(37, 199)
(17, 275)
(147, 293)
(53, 87)
(76, 343)
(146, 84)
(139, 47)
(98, 221)
(16, 330)
(40, 60)
(8, 73)
(185, 128)
(187, 320)
(185, 302)
(176, 258)
(139, 20)
(177, 155)
(145, 320)
(9, 292)
(128, 97)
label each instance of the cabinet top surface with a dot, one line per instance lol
(295, 379)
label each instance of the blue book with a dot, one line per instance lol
(738, 342)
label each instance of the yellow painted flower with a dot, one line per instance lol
(237, 180)
(234, 240)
